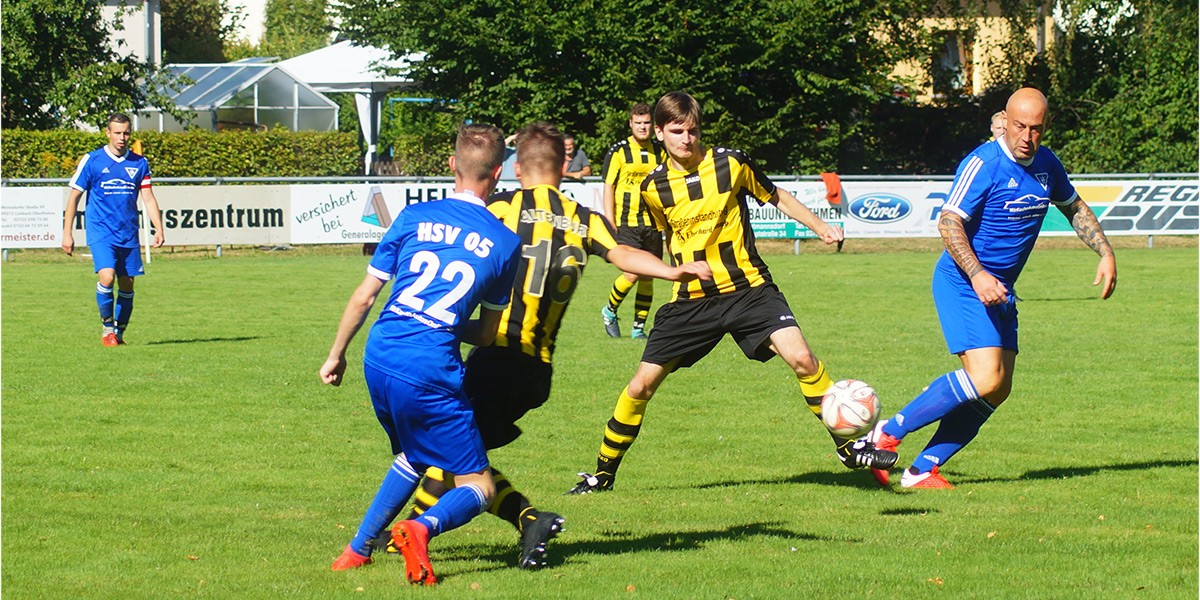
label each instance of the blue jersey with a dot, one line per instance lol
(112, 184)
(1003, 202)
(447, 257)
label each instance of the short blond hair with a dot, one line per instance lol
(478, 150)
(540, 148)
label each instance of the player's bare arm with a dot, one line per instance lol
(482, 331)
(954, 236)
(356, 311)
(68, 237)
(790, 206)
(610, 204)
(152, 209)
(1088, 228)
(642, 263)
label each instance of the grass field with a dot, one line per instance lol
(205, 459)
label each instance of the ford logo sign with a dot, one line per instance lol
(879, 208)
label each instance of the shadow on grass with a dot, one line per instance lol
(853, 479)
(1069, 472)
(612, 542)
(244, 338)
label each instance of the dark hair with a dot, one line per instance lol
(676, 107)
(641, 108)
(117, 118)
(540, 148)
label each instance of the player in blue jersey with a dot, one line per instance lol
(113, 177)
(989, 225)
(447, 257)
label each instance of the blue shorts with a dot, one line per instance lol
(432, 428)
(966, 323)
(126, 261)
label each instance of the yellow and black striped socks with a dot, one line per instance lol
(620, 432)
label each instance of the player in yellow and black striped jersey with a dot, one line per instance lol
(625, 166)
(512, 376)
(700, 197)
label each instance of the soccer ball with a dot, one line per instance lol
(850, 408)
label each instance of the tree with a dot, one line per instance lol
(787, 80)
(295, 27)
(1126, 87)
(58, 68)
(197, 31)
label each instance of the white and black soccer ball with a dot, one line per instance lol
(850, 408)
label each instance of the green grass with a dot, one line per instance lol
(204, 459)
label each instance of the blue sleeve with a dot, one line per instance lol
(384, 263)
(971, 184)
(1063, 192)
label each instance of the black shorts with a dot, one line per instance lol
(689, 329)
(642, 238)
(503, 384)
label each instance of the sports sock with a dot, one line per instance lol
(943, 395)
(509, 504)
(455, 508)
(619, 290)
(641, 302)
(124, 308)
(433, 485)
(954, 432)
(619, 434)
(104, 300)
(814, 387)
(398, 484)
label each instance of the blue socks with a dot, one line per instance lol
(453, 509)
(942, 396)
(124, 308)
(104, 300)
(956, 430)
(398, 485)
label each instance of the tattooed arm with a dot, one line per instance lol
(1087, 227)
(954, 235)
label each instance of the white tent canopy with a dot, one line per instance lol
(361, 70)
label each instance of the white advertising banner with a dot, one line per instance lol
(1124, 207)
(360, 212)
(32, 217)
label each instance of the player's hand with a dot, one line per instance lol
(68, 243)
(1106, 273)
(697, 269)
(833, 234)
(331, 372)
(990, 290)
(159, 239)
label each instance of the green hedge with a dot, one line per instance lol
(275, 153)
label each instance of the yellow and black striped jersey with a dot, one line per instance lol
(704, 214)
(625, 166)
(556, 234)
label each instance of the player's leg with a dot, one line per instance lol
(620, 289)
(989, 371)
(470, 496)
(622, 429)
(388, 396)
(397, 485)
(650, 240)
(985, 339)
(124, 307)
(641, 305)
(814, 380)
(105, 262)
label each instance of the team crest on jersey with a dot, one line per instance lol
(131, 171)
(1044, 179)
(1012, 183)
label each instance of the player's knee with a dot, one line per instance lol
(640, 389)
(993, 386)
